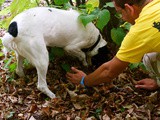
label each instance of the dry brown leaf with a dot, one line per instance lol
(13, 99)
(54, 112)
(32, 118)
(46, 110)
(78, 106)
(71, 93)
(153, 97)
(122, 76)
(106, 117)
(33, 108)
(91, 118)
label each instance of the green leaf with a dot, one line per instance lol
(117, 35)
(122, 109)
(1, 54)
(85, 18)
(26, 64)
(91, 5)
(66, 67)
(5, 11)
(7, 62)
(60, 2)
(14, 10)
(109, 4)
(94, 3)
(126, 26)
(103, 19)
(4, 23)
(133, 65)
(67, 6)
(10, 115)
(95, 12)
(51, 56)
(12, 67)
(1, 2)
(99, 110)
(57, 51)
(136, 65)
(143, 66)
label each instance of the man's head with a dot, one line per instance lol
(121, 3)
(130, 9)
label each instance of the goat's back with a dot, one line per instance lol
(58, 27)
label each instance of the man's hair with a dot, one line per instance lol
(121, 3)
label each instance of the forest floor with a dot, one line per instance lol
(21, 100)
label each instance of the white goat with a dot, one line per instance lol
(32, 30)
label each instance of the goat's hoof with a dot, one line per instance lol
(52, 96)
(44, 89)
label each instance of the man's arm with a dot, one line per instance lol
(105, 73)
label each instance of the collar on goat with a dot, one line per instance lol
(93, 46)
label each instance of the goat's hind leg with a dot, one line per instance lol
(19, 69)
(42, 67)
(41, 61)
(36, 52)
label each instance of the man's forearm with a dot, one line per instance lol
(101, 75)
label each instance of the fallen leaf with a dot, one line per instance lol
(13, 99)
(32, 118)
(32, 108)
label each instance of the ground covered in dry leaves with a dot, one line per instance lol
(21, 100)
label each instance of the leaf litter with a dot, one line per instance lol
(20, 99)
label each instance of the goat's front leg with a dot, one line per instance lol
(74, 50)
(89, 60)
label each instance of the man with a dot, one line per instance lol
(143, 39)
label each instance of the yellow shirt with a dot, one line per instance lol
(144, 36)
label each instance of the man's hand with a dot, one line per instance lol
(149, 84)
(76, 76)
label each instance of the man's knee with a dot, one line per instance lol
(152, 62)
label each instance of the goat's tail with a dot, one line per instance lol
(6, 41)
(9, 37)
